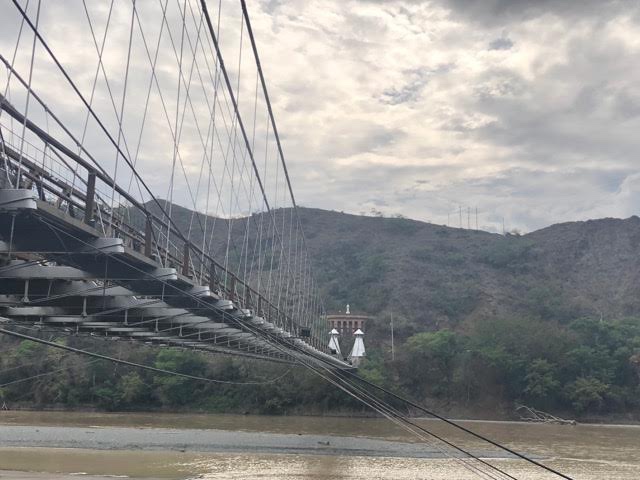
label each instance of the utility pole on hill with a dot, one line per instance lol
(393, 352)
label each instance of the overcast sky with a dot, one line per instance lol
(526, 110)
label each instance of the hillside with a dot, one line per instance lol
(482, 321)
(433, 277)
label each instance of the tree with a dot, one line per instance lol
(432, 355)
(173, 390)
(541, 382)
(132, 390)
(587, 393)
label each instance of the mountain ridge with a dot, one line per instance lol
(433, 276)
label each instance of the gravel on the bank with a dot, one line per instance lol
(119, 438)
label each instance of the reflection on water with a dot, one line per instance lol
(290, 467)
(586, 452)
(138, 464)
(175, 465)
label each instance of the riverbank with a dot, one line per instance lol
(459, 414)
(244, 422)
(192, 440)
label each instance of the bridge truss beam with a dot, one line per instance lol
(60, 273)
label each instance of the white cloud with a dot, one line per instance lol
(527, 110)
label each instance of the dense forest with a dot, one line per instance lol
(590, 367)
(483, 322)
(36, 375)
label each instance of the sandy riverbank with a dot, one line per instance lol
(210, 440)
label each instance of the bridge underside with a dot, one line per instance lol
(60, 273)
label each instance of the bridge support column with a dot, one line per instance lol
(90, 199)
(148, 236)
(247, 297)
(186, 258)
(232, 288)
(213, 277)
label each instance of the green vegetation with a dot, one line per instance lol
(46, 377)
(587, 367)
(511, 253)
(550, 319)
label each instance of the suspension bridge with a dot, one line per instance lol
(89, 246)
(116, 115)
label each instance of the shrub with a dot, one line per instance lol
(511, 254)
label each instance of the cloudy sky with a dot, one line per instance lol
(526, 110)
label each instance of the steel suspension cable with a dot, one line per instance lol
(460, 427)
(24, 124)
(95, 78)
(73, 85)
(254, 47)
(278, 344)
(90, 109)
(236, 107)
(134, 364)
(231, 221)
(111, 95)
(40, 375)
(98, 357)
(121, 116)
(176, 136)
(187, 98)
(387, 411)
(84, 101)
(259, 334)
(6, 89)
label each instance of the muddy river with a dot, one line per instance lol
(64, 446)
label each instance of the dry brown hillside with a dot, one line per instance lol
(433, 276)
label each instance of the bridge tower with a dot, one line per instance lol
(357, 352)
(334, 344)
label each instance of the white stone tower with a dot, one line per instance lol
(358, 351)
(334, 345)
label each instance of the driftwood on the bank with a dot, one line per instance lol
(530, 414)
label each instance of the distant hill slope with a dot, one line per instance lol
(432, 276)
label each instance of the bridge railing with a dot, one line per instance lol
(65, 179)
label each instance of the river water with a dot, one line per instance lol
(64, 446)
